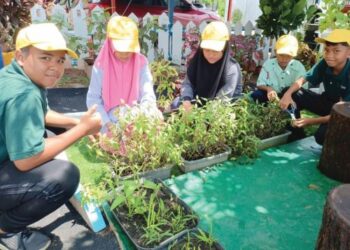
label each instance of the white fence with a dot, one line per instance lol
(76, 24)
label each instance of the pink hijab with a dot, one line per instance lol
(120, 79)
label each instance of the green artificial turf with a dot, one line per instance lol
(275, 203)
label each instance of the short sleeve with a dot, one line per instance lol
(24, 126)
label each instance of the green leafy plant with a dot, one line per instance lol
(332, 16)
(205, 130)
(148, 34)
(139, 142)
(280, 17)
(97, 28)
(244, 141)
(165, 76)
(268, 120)
(156, 216)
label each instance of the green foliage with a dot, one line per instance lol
(203, 131)
(14, 15)
(164, 77)
(332, 17)
(156, 213)
(148, 34)
(97, 28)
(244, 141)
(267, 120)
(236, 16)
(280, 17)
(139, 142)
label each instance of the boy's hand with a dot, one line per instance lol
(91, 121)
(302, 122)
(286, 101)
(272, 95)
(187, 105)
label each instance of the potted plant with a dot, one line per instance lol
(269, 123)
(139, 144)
(203, 133)
(150, 214)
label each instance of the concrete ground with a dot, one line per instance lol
(68, 230)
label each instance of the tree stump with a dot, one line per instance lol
(335, 228)
(335, 157)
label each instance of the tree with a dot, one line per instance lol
(281, 16)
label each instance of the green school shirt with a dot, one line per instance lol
(335, 86)
(23, 107)
(274, 76)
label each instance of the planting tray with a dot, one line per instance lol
(165, 243)
(161, 173)
(274, 141)
(180, 243)
(189, 166)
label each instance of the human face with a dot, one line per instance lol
(283, 60)
(44, 68)
(212, 56)
(122, 56)
(336, 56)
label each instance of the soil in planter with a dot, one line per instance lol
(204, 152)
(135, 225)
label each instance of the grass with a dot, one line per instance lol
(91, 168)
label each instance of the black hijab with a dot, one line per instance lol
(207, 79)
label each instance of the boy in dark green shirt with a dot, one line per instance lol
(33, 183)
(333, 71)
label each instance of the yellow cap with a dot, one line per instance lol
(44, 36)
(287, 45)
(124, 34)
(214, 36)
(336, 36)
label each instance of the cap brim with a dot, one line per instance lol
(213, 45)
(286, 51)
(126, 45)
(331, 40)
(45, 47)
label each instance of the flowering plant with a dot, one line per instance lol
(245, 51)
(191, 44)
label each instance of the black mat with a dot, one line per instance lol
(67, 100)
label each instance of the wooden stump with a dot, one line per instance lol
(335, 157)
(335, 229)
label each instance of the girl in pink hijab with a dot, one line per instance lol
(120, 75)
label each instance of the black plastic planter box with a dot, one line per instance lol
(128, 226)
(180, 243)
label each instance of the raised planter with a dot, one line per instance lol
(134, 226)
(274, 141)
(161, 173)
(189, 166)
(190, 240)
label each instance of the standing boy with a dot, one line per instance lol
(279, 73)
(333, 71)
(32, 183)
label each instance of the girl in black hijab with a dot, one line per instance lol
(212, 72)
